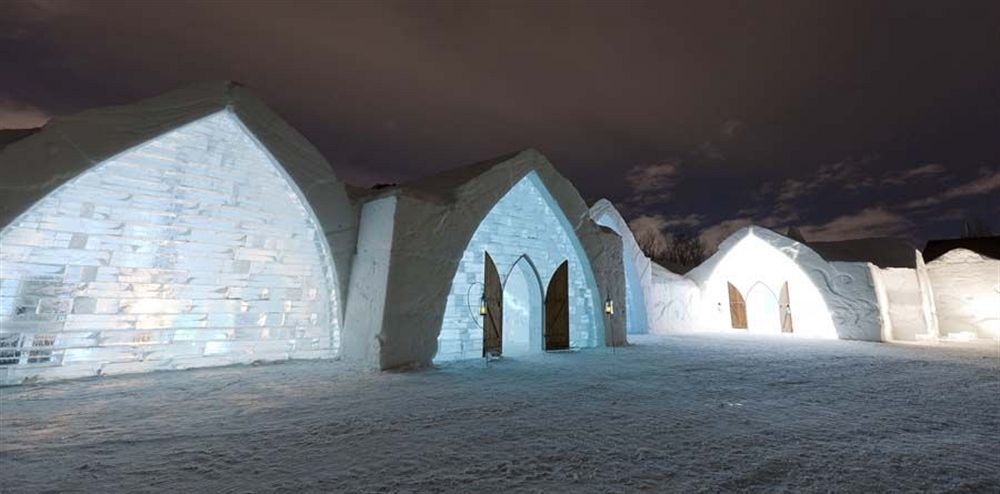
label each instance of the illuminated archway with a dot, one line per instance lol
(525, 221)
(758, 265)
(763, 314)
(522, 309)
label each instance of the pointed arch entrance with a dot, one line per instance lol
(763, 313)
(522, 309)
(525, 224)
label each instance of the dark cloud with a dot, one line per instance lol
(835, 105)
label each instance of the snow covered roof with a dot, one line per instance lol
(985, 246)
(796, 251)
(36, 164)
(884, 252)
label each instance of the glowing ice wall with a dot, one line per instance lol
(524, 221)
(758, 270)
(192, 249)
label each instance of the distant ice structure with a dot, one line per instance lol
(763, 282)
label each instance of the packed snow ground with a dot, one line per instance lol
(685, 412)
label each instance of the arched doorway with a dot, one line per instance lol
(522, 309)
(763, 313)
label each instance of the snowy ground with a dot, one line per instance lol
(686, 412)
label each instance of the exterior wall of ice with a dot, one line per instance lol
(966, 294)
(674, 301)
(525, 221)
(905, 304)
(638, 271)
(192, 249)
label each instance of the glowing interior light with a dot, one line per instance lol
(609, 307)
(758, 270)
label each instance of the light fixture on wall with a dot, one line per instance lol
(609, 307)
(482, 305)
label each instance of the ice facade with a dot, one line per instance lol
(525, 221)
(192, 249)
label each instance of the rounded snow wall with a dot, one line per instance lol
(759, 271)
(192, 249)
(636, 266)
(966, 294)
(526, 221)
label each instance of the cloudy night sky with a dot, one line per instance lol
(845, 119)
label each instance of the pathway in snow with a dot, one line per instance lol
(686, 412)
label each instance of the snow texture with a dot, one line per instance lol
(680, 413)
(967, 294)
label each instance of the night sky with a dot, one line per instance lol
(846, 119)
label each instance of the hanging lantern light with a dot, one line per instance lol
(482, 305)
(609, 307)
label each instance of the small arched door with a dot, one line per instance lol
(785, 304)
(557, 310)
(737, 308)
(492, 310)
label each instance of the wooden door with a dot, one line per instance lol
(557, 310)
(493, 319)
(737, 308)
(786, 310)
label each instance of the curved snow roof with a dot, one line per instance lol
(884, 252)
(37, 164)
(984, 246)
(796, 251)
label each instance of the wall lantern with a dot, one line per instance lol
(482, 305)
(609, 307)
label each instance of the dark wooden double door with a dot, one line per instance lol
(555, 331)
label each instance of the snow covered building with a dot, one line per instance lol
(638, 268)
(763, 282)
(965, 276)
(191, 229)
(496, 257)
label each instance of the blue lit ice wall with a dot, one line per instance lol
(192, 249)
(524, 221)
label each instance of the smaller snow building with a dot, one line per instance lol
(499, 257)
